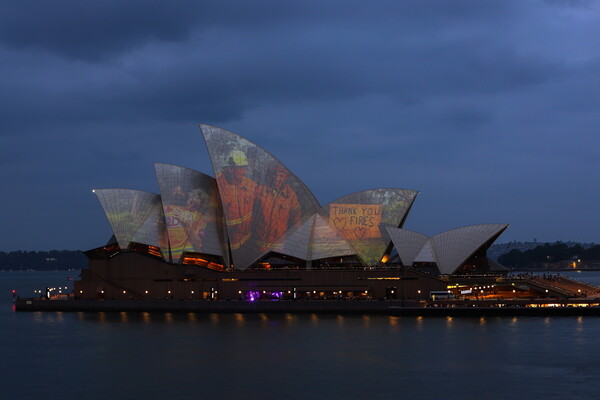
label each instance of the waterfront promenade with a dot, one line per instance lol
(571, 307)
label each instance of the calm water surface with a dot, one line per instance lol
(183, 356)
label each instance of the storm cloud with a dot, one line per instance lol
(489, 108)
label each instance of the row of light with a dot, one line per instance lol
(60, 289)
(289, 291)
(216, 291)
(124, 291)
(239, 291)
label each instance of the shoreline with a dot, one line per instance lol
(574, 307)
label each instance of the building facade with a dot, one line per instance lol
(255, 230)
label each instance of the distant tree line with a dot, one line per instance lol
(540, 256)
(549, 254)
(42, 260)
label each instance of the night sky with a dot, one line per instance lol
(490, 109)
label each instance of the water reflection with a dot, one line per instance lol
(579, 327)
(290, 318)
(239, 319)
(314, 318)
(367, 320)
(169, 317)
(419, 325)
(307, 356)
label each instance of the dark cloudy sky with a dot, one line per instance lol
(490, 109)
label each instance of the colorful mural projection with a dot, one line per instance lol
(356, 221)
(134, 216)
(261, 198)
(154, 230)
(360, 218)
(192, 211)
(327, 241)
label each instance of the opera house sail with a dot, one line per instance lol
(192, 210)
(256, 214)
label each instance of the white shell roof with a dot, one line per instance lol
(426, 254)
(408, 243)
(132, 214)
(455, 246)
(449, 250)
(193, 196)
(296, 241)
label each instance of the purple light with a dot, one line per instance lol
(253, 296)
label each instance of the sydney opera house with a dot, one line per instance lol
(255, 231)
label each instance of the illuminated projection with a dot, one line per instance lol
(360, 218)
(153, 231)
(356, 221)
(261, 198)
(134, 216)
(327, 241)
(192, 211)
(255, 209)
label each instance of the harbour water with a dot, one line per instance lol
(235, 356)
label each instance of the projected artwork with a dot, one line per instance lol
(192, 211)
(253, 207)
(360, 218)
(261, 198)
(153, 231)
(327, 241)
(356, 221)
(134, 216)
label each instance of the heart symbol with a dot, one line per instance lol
(360, 232)
(339, 223)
